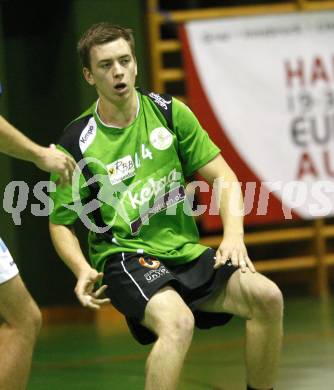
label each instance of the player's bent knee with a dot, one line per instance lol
(185, 324)
(37, 319)
(271, 302)
(267, 300)
(179, 329)
(33, 321)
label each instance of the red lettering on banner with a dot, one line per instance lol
(328, 166)
(306, 166)
(295, 72)
(319, 71)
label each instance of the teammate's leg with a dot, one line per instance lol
(258, 300)
(167, 315)
(20, 321)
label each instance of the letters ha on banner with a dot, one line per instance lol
(263, 88)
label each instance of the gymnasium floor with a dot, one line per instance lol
(100, 358)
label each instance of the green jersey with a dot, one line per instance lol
(140, 174)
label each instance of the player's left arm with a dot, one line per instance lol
(16, 144)
(231, 208)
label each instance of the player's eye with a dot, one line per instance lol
(106, 65)
(124, 61)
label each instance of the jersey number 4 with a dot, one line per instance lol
(145, 153)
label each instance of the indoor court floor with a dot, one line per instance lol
(99, 358)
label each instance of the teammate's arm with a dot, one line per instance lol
(16, 144)
(68, 248)
(231, 212)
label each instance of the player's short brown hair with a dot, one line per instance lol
(101, 33)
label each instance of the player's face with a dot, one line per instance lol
(113, 70)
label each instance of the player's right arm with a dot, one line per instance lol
(16, 144)
(67, 206)
(68, 248)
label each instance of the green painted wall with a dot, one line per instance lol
(45, 90)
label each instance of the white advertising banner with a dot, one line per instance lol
(269, 81)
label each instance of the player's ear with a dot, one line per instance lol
(88, 76)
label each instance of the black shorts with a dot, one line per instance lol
(133, 278)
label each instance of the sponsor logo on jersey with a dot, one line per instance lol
(149, 263)
(160, 100)
(161, 138)
(152, 188)
(167, 200)
(121, 169)
(88, 135)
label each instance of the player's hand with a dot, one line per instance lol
(84, 289)
(233, 247)
(53, 160)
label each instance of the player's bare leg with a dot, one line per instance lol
(258, 300)
(20, 321)
(167, 315)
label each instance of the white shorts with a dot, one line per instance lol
(8, 268)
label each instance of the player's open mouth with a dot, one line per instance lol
(120, 87)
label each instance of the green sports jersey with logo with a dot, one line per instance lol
(139, 177)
